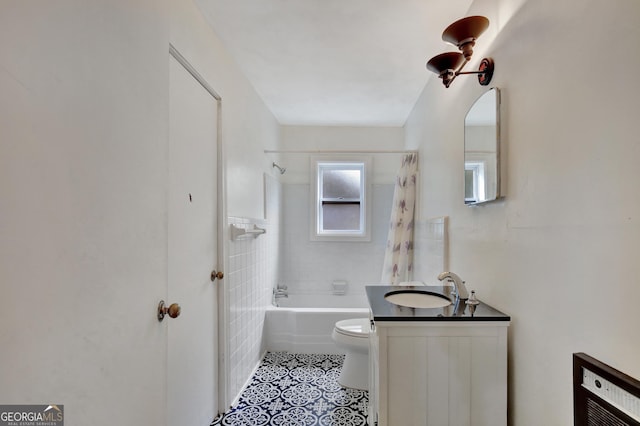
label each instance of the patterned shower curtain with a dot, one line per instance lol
(398, 257)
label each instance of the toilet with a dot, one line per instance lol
(352, 336)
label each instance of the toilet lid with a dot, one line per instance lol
(357, 327)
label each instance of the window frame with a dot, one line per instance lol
(335, 162)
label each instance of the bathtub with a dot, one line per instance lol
(303, 323)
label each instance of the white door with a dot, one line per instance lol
(193, 336)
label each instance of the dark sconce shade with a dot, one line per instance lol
(444, 65)
(445, 61)
(463, 34)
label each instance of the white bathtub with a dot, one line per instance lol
(303, 323)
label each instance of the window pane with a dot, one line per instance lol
(341, 184)
(341, 217)
(469, 182)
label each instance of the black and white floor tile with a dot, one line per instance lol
(298, 390)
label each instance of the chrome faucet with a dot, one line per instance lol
(461, 289)
(280, 291)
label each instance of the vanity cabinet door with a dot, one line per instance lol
(432, 375)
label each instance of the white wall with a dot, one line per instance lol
(83, 173)
(83, 113)
(328, 138)
(559, 253)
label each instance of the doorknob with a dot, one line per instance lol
(216, 274)
(172, 310)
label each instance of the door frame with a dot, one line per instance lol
(221, 388)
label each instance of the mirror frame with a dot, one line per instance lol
(498, 162)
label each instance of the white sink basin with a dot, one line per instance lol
(417, 299)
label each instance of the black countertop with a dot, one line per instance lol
(387, 311)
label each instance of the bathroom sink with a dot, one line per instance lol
(417, 299)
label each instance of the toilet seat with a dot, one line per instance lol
(355, 327)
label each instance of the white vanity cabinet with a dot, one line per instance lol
(438, 373)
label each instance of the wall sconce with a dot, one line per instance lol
(462, 33)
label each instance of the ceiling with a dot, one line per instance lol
(335, 62)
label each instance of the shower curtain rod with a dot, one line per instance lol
(276, 151)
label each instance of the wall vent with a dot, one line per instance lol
(602, 395)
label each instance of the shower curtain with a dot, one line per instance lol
(398, 256)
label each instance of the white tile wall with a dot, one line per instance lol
(253, 270)
(431, 255)
(309, 267)
(249, 279)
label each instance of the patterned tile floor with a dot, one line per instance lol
(298, 390)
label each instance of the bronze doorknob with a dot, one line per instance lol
(216, 274)
(172, 310)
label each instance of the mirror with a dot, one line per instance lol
(481, 149)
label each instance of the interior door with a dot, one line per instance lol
(192, 249)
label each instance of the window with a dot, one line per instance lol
(340, 205)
